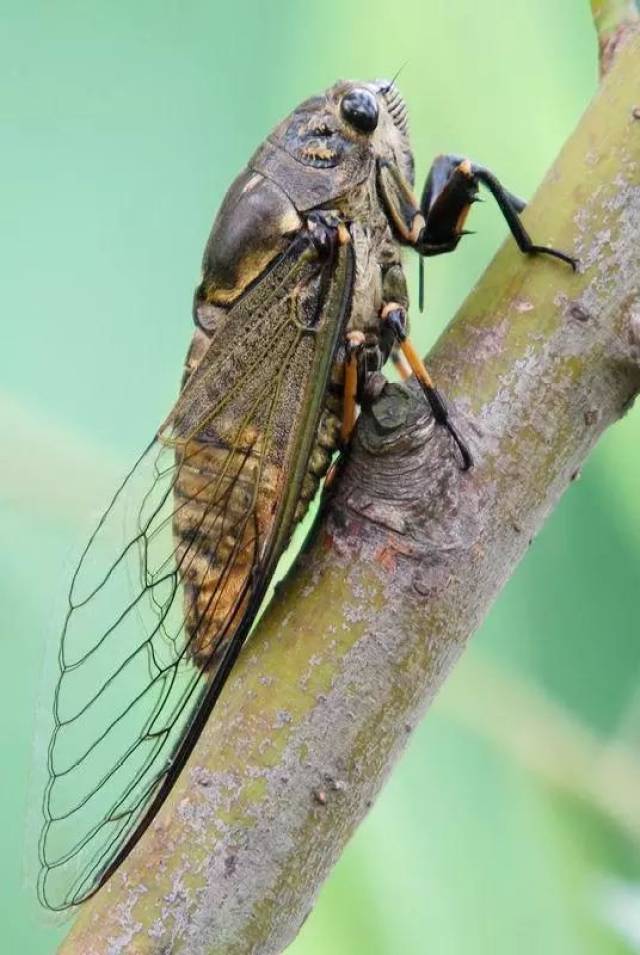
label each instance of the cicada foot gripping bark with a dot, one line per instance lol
(396, 317)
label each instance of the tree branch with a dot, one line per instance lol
(401, 569)
(615, 21)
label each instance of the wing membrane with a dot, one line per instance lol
(170, 582)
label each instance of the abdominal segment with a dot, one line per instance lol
(225, 501)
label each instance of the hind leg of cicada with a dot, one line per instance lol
(395, 317)
(451, 189)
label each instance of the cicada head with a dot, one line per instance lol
(376, 112)
(347, 127)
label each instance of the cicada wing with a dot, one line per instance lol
(172, 578)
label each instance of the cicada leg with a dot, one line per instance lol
(449, 192)
(395, 318)
(353, 348)
(400, 363)
(436, 225)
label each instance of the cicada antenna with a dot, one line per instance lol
(387, 87)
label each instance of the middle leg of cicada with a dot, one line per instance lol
(400, 363)
(395, 318)
(353, 349)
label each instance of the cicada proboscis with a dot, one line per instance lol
(303, 298)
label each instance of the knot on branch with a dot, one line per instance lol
(401, 491)
(611, 42)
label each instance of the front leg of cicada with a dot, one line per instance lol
(408, 225)
(326, 230)
(450, 190)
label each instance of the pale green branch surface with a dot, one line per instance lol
(403, 567)
(615, 21)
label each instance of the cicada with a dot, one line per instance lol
(302, 301)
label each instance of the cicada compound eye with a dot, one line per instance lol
(360, 109)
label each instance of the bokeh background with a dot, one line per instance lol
(513, 821)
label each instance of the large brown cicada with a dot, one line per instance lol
(303, 299)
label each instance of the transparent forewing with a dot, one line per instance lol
(176, 567)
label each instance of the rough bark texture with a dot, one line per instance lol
(401, 570)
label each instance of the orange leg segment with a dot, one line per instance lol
(401, 364)
(355, 341)
(395, 315)
(416, 364)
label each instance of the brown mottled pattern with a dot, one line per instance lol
(242, 399)
(225, 501)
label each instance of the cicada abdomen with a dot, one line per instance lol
(226, 494)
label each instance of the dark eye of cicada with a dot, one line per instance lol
(360, 109)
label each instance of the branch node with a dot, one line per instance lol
(615, 21)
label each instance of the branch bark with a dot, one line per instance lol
(403, 566)
(615, 21)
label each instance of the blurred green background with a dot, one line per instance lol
(513, 821)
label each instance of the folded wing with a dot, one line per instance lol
(173, 576)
